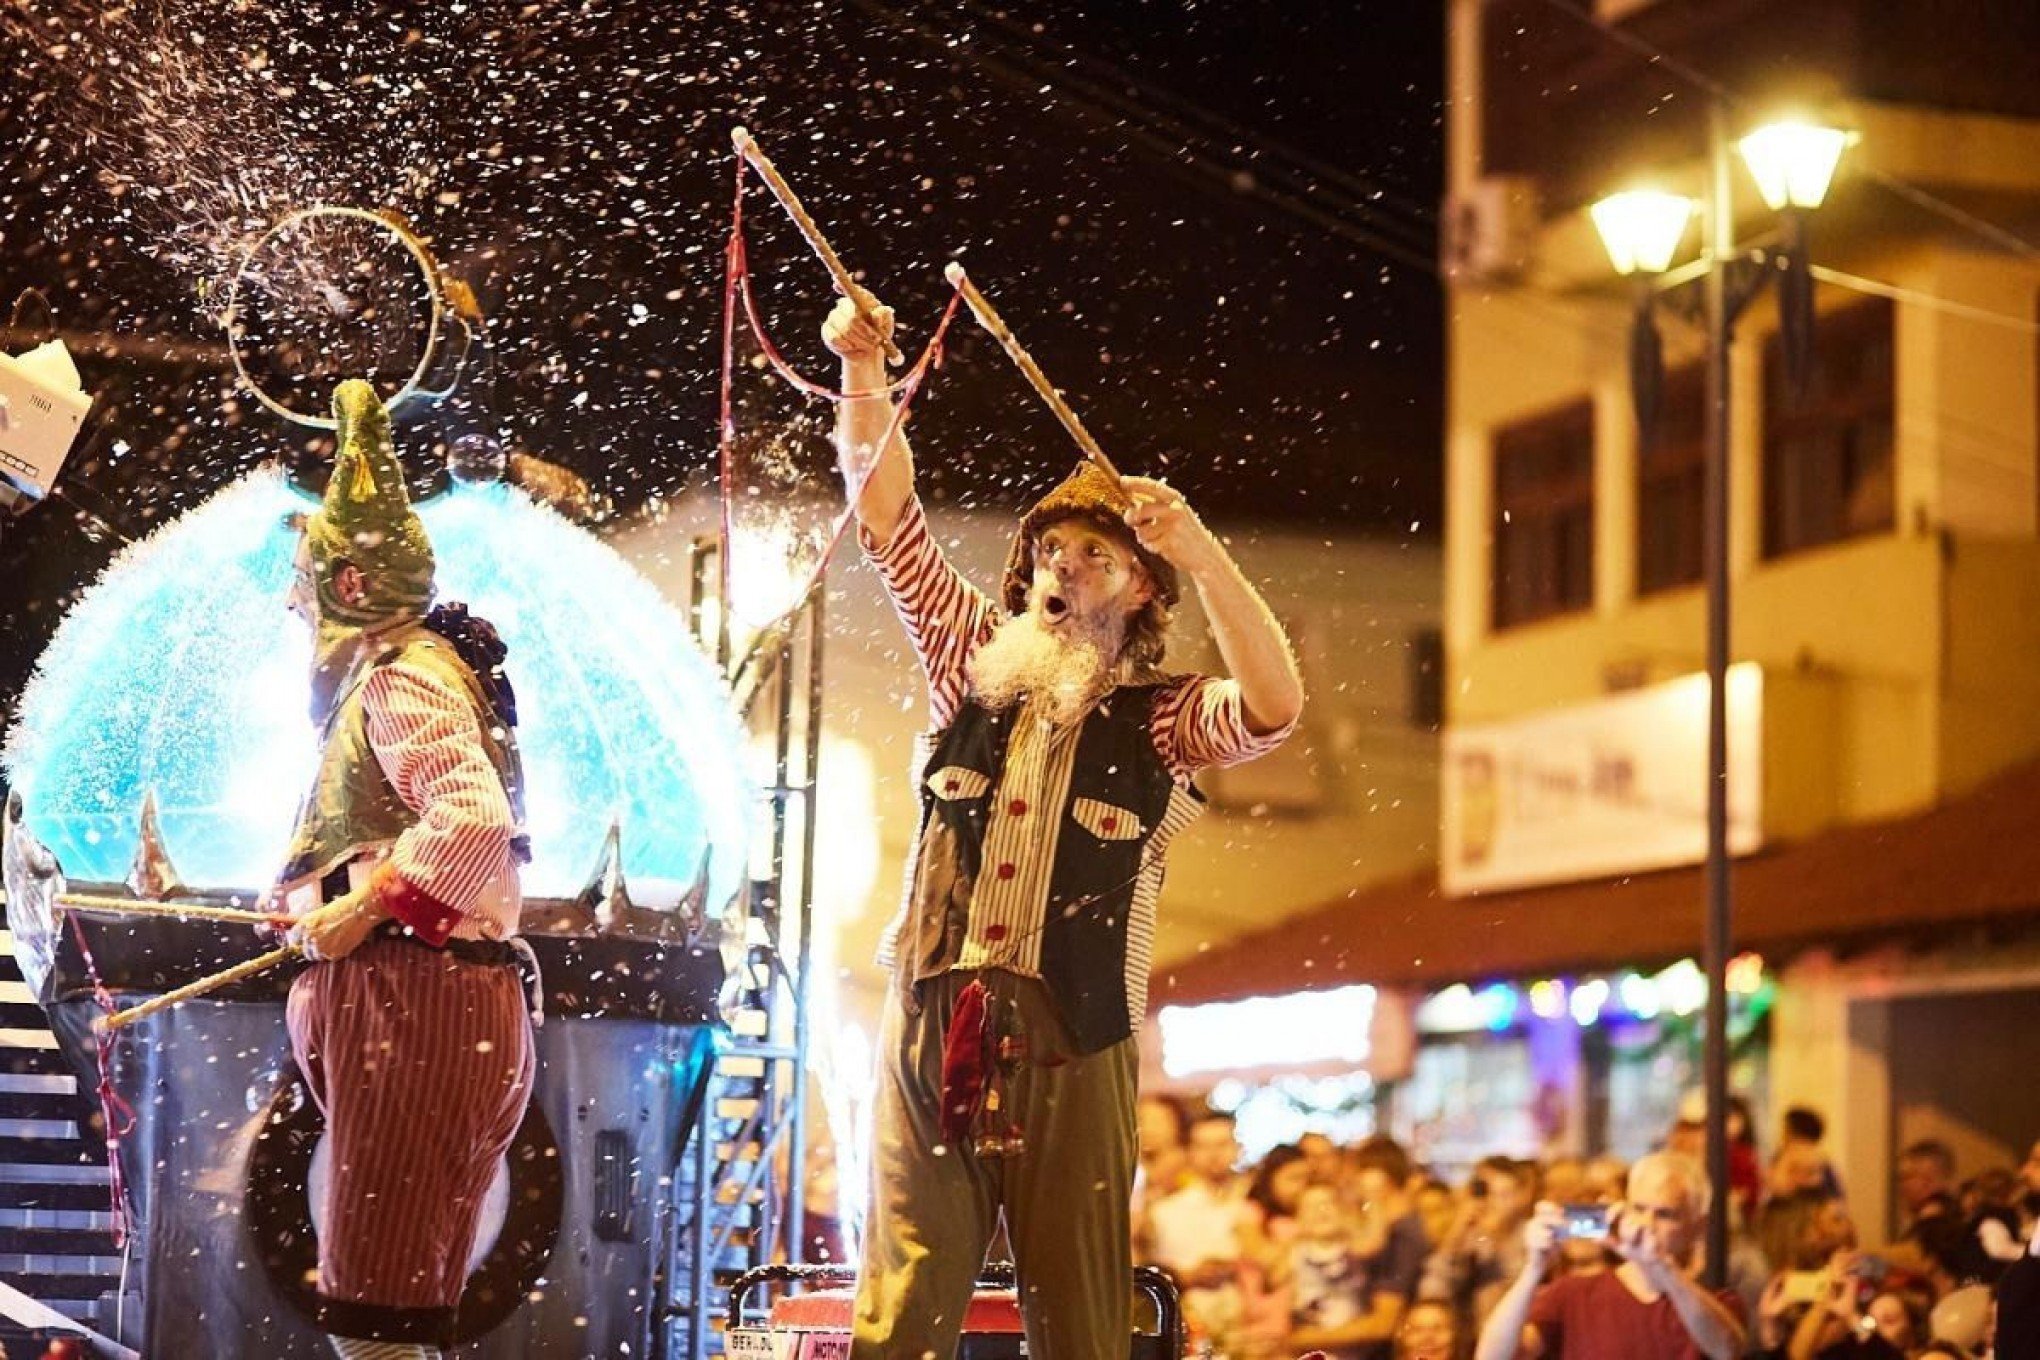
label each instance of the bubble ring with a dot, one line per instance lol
(427, 267)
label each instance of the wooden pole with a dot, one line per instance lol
(212, 982)
(194, 911)
(989, 318)
(862, 297)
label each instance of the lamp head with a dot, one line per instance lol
(1793, 161)
(1642, 228)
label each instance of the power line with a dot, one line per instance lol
(1182, 152)
(1912, 296)
(1359, 186)
(2000, 236)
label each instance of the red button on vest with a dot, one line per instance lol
(1110, 823)
(1018, 807)
(995, 932)
(1007, 870)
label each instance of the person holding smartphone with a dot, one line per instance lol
(1650, 1307)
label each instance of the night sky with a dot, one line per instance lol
(1211, 223)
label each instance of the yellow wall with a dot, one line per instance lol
(1909, 658)
(1900, 669)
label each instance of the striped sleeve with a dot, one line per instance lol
(1199, 721)
(946, 616)
(429, 743)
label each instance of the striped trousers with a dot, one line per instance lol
(422, 1064)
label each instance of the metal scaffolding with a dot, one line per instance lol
(736, 1195)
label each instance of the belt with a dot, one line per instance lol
(467, 951)
(514, 953)
(339, 882)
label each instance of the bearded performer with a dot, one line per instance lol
(410, 1028)
(1055, 774)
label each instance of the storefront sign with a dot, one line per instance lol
(1614, 786)
(1357, 1028)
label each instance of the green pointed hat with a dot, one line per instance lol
(367, 520)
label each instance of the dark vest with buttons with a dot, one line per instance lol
(1091, 884)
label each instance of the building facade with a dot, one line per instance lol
(1884, 567)
(1883, 558)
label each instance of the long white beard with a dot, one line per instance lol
(1063, 671)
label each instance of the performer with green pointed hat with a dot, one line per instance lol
(410, 1028)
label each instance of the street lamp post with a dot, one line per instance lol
(1793, 163)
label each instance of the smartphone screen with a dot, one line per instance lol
(1586, 1222)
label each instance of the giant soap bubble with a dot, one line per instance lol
(181, 672)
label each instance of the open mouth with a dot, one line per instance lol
(1054, 608)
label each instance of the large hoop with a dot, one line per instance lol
(427, 266)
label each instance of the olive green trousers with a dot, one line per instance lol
(1065, 1199)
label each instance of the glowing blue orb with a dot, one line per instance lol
(181, 672)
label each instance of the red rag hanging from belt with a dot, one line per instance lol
(963, 1064)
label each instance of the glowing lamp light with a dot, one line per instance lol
(1450, 1010)
(1589, 999)
(1547, 999)
(1793, 162)
(1302, 1028)
(1499, 1006)
(1639, 996)
(1641, 228)
(1745, 974)
(1682, 988)
(181, 673)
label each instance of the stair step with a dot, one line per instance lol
(31, 1036)
(67, 1286)
(41, 1105)
(34, 1060)
(22, 1015)
(57, 1242)
(90, 1196)
(45, 1152)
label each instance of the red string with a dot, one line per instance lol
(733, 270)
(120, 1116)
(737, 288)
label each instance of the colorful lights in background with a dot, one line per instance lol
(1678, 991)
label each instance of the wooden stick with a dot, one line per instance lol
(989, 318)
(863, 298)
(210, 983)
(121, 906)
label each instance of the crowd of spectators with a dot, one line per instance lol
(1360, 1254)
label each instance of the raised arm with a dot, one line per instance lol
(945, 616)
(1508, 1331)
(886, 475)
(1255, 649)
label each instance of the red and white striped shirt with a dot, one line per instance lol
(1195, 722)
(453, 872)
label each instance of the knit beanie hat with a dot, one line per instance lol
(367, 520)
(1090, 495)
